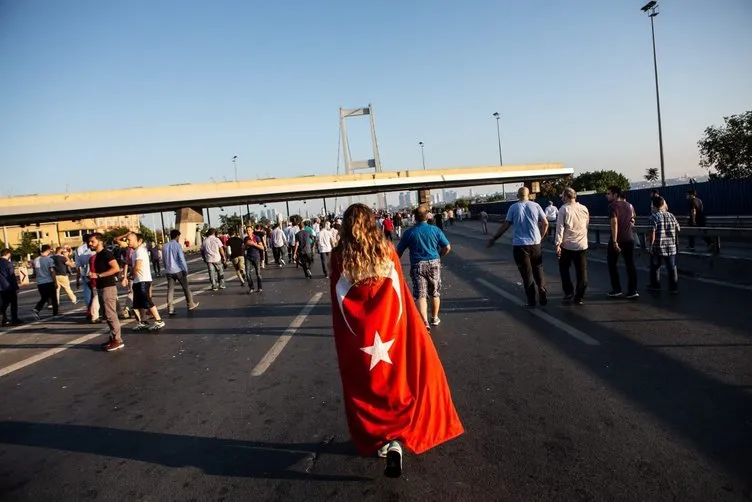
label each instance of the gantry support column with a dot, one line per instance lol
(189, 220)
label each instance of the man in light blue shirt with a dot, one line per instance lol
(176, 269)
(529, 223)
(427, 244)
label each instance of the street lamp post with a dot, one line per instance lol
(422, 154)
(235, 167)
(501, 160)
(651, 9)
(240, 208)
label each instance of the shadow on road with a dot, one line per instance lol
(214, 456)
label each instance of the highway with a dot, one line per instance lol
(241, 399)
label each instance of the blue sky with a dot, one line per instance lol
(104, 94)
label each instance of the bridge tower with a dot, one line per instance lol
(351, 166)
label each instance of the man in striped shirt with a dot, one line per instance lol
(663, 246)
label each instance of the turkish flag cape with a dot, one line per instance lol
(393, 382)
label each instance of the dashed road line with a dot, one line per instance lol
(570, 330)
(285, 337)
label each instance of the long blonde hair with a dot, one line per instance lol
(366, 254)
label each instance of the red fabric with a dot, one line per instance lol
(389, 225)
(408, 400)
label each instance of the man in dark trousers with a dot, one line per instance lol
(696, 213)
(621, 216)
(8, 289)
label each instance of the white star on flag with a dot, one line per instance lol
(379, 351)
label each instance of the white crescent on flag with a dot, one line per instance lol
(344, 285)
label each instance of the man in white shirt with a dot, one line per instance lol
(325, 242)
(213, 253)
(279, 242)
(552, 213)
(571, 243)
(142, 279)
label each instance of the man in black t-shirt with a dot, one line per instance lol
(696, 214)
(105, 274)
(62, 262)
(235, 244)
(303, 252)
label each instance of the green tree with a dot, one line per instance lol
(109, 236)
(651, 175)
(147, 232)
(28, 245)
(726, 151)
(599, 181)
(554, 187)
(229, 222)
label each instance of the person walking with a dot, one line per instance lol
(483, 216)
(154, 256)
(388, 227)
(44, 270)
(290, 235)
(303, 252)
(235, 250)
(395, 391)
(279, 243)
(325, 244)
(213, 253)
(398, 224)
(552, 213)
(427, 244)
(83, 257)
(662, 246)
(621, 243)
(254, 255)
(529, 222)
(571, 243)
(104, 273)
(176, 270)
(62, 279)
(696, 212)
(8, 289)
(142, 279)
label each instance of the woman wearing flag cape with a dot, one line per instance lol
(395, 390)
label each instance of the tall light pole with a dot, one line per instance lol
(235, 166)
(422, 154)
(501, 160)
(240, 207)
(651, 9)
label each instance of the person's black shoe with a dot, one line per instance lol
(543, 297)
(5, 322)
(633, 296)
(393, 460)
(614, 294)
(578, 301)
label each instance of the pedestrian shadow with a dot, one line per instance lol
(213, 456)
(712, 415)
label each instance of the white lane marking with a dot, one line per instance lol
(570, 330)
(285, 337)
(67, 345)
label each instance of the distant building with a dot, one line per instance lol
(68, 232)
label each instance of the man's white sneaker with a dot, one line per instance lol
(435, 321)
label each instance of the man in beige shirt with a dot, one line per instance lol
(571, 243)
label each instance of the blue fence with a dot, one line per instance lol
(719, 198)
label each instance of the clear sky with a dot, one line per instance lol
(105, 94)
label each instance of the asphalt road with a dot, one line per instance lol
(613, 400)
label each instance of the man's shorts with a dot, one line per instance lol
(239, 263)
(142, 295)
(426, 276)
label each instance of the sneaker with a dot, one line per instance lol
(157, 325)
(260, 290)
(114, 345)
(251, 291)
(142, 326)
(633, 296)
(193, 307)
(578, 301)
(381, 452)
(222, 286)
(171, 313)
(614, 294)
(435, 321)
(35, 313)
(214, 288)
(5, 322)
(49, 307)
(543, 297)
(393, 460)
(567, 298)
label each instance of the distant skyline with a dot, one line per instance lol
(99, 95)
